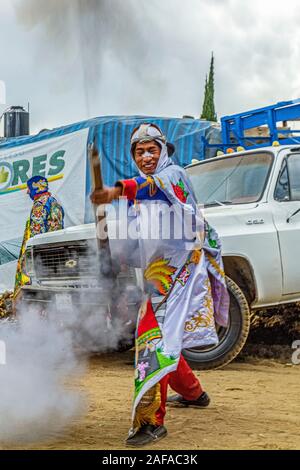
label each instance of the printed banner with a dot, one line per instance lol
(60, 159)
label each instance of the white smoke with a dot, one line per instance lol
(46, 347)
(34, 400)
(79, 36)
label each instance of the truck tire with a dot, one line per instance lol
(232, 338)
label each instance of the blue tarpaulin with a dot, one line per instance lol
(113, 137)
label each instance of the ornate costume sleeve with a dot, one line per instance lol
(129, 188)
(38, 219)
(141, 188)
(56, 217)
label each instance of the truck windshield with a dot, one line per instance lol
(10, 250)
(231, 180)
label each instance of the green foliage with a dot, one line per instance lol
(208, 110)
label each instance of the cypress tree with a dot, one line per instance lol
(204, 108)
(208, 110)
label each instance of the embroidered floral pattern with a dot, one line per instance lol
(180, 191)
(40, 186)
(159, 274)
(196, 256)
(43, 220)
(184, 276)
(204, 317)
(141, 368)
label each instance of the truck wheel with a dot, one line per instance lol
(232, 338)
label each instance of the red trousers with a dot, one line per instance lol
(182, 381)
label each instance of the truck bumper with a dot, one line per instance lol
(90, 314)
(63, 297)
(124, 304)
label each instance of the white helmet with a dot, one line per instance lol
(146, 132)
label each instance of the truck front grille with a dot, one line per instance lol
(66, 261)
(77, 262)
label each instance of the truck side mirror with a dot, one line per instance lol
(293, 214)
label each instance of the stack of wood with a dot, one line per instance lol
(6, 304)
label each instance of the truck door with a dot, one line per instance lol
(287, 221)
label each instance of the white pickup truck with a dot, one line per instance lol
(252, 198)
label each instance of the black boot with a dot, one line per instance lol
(147, 434)
(201, 402)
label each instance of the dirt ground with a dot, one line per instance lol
(255, 405)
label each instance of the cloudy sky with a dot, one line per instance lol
(74, 59)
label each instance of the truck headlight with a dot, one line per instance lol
(29, 268)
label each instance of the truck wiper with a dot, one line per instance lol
(218, 203)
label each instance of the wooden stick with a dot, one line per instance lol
(100, 220)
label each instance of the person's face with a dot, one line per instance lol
(146, 156)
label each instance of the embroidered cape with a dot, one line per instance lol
(186, 293)
(46, 215)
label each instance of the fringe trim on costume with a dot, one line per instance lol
(147, 407)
